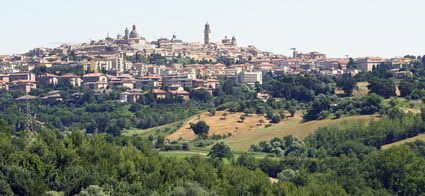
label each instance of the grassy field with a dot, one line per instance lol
(361, 88)
(163, 130)
(412, 139)
(204, 153)
(292, 126)
(406, 105)
(219, 126)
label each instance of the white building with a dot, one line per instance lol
(367, 64)
(249, 77)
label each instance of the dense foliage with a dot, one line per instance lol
(350, 156)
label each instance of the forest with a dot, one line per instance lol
(329, 162)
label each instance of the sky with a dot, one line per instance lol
(338, 28)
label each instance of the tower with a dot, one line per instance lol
(234, 41)
(207, 32)
(126, 33)
(134, 33)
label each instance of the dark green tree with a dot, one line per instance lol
(200, 128)
(406, 87)
(220, 151)
(383, 87)
(347, 84)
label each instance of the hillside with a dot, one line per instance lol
(243, 135)
(292, 126)
(219, 125)
(412, 139)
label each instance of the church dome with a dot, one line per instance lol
(133, 33)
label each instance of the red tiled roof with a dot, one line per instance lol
(93, 75)
(158, 91)
(179, 92)
(69, 76)
(49, 75)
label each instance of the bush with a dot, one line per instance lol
(276, 118)
(200, 128)
(338, 114)
(220, 151)
(292, 111)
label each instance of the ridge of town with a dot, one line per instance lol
(140, 65)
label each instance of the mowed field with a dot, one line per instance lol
(243, 135)
(360, 90)
(412, 139)
(220, 126)
(292, 126)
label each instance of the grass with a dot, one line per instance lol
(412, 139)
(219, 126)
(163, 130)
(361, 88)
(406, 105)
(292, 126)
(204, 153)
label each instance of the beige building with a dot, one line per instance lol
(368, 63)
(249, 77)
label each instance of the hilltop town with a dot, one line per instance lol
(219, 115)
(131, 61)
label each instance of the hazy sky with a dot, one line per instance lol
(336, 27)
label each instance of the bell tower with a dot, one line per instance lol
(207, 32)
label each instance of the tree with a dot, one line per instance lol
(282, 115)
(423, 113)
(201, 95)
(212, 112)
(93, 190)
(200, 128)
(383, 87)
(347, 84)
(220, 151)
(261, 122)
(269, 114)
(190, 188)
(224, 115)
(320, 104)
(292, 111)
(242, 117)
(114, 130)
(258, 87)
(397, 169)
(247, 161)
(418, 94)
(249, 111)
(351, 64)
(276, 118)
(406, 87)
(5, 188)
(287, 175)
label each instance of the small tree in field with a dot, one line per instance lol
(200, 128)
(212, 112)
(242, 117)
(282, 114)
(261, 122)
(220, 151)
(276, 118)
(246, 111)
(224, 116)
(292, 111)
